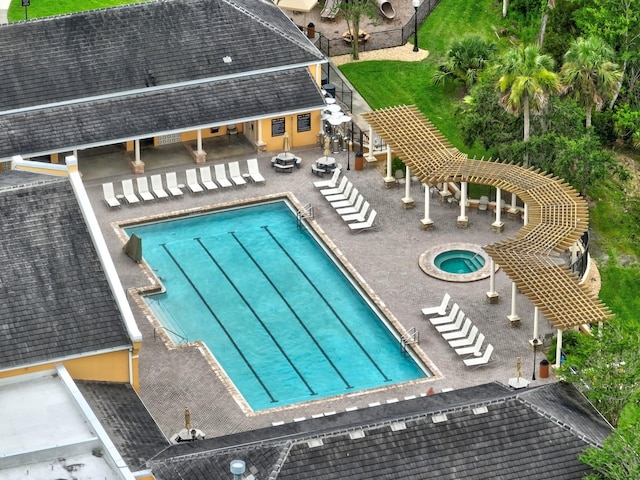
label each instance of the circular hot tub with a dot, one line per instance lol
(456, 262)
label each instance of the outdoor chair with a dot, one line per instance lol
(206, 180)
(472, 349)
(339, 197)
(234, 174)
(358, 217)
(336, 191)
(369, 224)
(353, 209)
(460, 333)
(254, 171)
(109, 195)
(156, 187)
(331, 183)
(143, 189)
(192, 181)
(452, 327)
(439, 309)
(483, 204)
(172, 185)
(399, 175)
(445, 319)
(350, 202)
(127, 190)
(221, 176)
(478, 361)
(467, 341)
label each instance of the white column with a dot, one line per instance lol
(463, 199)
(513, 210)
(199, 140)
(407, 183)
(526, 214)
(559, 348)
(259, 131)
(536, 314)
(370, 153)
(136, 145)
(513, 318)
(492, 295)
(498, 226)
(426, 221)
(389, 172)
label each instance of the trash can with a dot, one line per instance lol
(311, 30)
(359, 161)
(324, 79)
(544, 368)
(330, 88)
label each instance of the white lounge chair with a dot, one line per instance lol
(348, 202)
(221, 176)
(235, 175)
(127, 189)
(143, 189)
(477, 361)
(156, 187)
(172, 185)
(467, 341)
(339, 197)
(452, 327)
(472, 349)
(358, 217)
(192, 181)
(460, 333)
(205, 178)
(336, 191)
(441, 309)
(369, 224)
(446, 318)
(254, 171)
(331, 183)
(354, 208)
(109, 195)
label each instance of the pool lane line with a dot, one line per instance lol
(300, 321)
(319, 292)
(246, 360)
(266, 329)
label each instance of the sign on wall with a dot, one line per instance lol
(277, 127)
(304, 122)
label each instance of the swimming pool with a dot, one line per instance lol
(273, 307)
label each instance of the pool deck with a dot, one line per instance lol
(386, 259)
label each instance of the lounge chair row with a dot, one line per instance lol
(348, 203)
(153, 188)
(459, 331)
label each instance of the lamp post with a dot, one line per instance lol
(535, 349)
(26, 4)
(416, 4)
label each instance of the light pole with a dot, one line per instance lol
(535, 348)
(416, 4)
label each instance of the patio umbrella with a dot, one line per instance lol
(327, 146)
(285, 142)
(302, 6)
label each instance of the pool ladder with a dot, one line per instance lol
(305, 213)
(412, 336)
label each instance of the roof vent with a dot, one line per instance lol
(237, 467)
(356, 434)
(315, 442)
(480, 410)
(227, 59)
(397, 426)
(440, 417)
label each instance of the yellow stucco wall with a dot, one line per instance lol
(296, 138)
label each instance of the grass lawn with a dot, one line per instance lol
(41, 8)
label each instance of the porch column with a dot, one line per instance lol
(513, 318)
(138, 165)
(492, 295)
(427, 223)
(407, 201)
(370, 157)
(201, 155)
(463, 220)
(559, 349)
(498, 225)
(513, 209)
(260, 145)
(389, 180)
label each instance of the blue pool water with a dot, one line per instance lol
(275, 310)
(459, 261)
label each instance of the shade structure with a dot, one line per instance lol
(304, 6)
(133, 247)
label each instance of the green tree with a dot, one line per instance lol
(589, 74)
(353, 11)
(466, 59)
(618, 459)
(605, 366)
(527, 81)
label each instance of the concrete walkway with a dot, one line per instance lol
(4, 7)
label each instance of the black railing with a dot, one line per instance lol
(579, 267)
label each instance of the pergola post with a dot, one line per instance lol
(138, 165)
(427, 223)
(513, 208)
(389, 180)
(463, 219)
(370, 157)
(492, 295)
(536, 315)
(498, 225)
(201, 155)
(559, 349)
(407, 201)
(514, 319)
(526, 214)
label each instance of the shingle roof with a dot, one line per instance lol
(125, 419)
(149, 68)
(56, 301)
(488, 431)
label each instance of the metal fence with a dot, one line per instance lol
(579, 267)
(380, 39)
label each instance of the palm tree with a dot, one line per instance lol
(526, 80)
(465, 60)
(589, 73)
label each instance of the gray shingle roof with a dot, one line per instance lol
(126, 420)
(487, 432)
(129, 72)
(56, 301)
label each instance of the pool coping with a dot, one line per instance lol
(155, 286)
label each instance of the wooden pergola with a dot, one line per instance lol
(557, 215)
